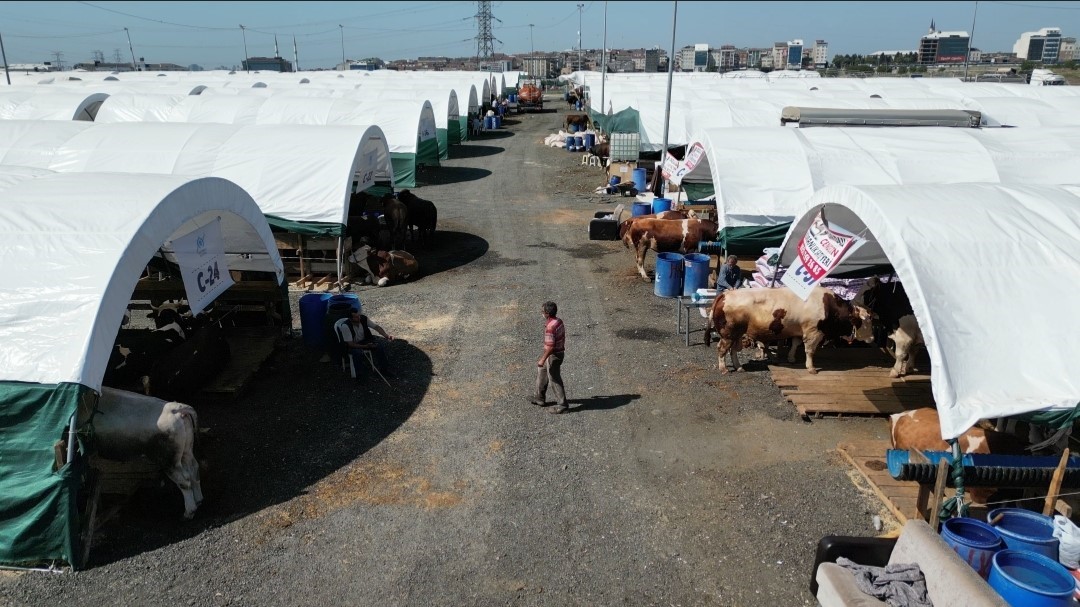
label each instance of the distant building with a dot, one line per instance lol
(1043, 46)
(754, 57)
(98, 66)
(943, 47)
(652, 59)
(795, 54)
(495, 66)
(684, 61)
(1068, 50)
(821, 53)
(267, 64)
(35, 67)
(540, 66)
(779, 55)
(766, 61)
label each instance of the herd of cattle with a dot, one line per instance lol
(379, 238)
(746, 317)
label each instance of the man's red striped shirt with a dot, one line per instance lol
(555, 335)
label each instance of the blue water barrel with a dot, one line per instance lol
(350, 298)
(573, 128)
(579, 142)
(669, 275)
(498, 121)
(489, 122)
(512, 98)
(1030, 579)
(659, 205)
(615, 180)
(975, 542)
(590, 140)
(1025, 530)
(695, 273)
(312, 311)
(640, 208)
(639, 179)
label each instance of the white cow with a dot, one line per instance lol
(907, 337)
(127, 425)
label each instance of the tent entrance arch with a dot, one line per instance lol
(61, 306)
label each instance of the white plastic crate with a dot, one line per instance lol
(625, 146)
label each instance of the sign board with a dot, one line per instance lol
(201, 256)
(693, 157)
(670, 166)
(820, 250)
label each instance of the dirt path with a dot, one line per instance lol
(667, 484)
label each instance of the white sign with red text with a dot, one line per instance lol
(821, 249)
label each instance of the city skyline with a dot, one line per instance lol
(209, 33)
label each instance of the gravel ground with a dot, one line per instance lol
(666, 483)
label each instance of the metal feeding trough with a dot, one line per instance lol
(985, 470)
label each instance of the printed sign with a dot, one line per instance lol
(670, 166)
(821, 249)
(201, 256)
(693, 157)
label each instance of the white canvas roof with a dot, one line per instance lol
(74, 248)
(762, 176)
(993, 274)
(298, 173)
(43, 103)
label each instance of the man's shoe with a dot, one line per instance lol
(558, 409)
(539, 402)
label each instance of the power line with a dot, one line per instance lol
(1064, 8)
(198, 27)
(41, 37)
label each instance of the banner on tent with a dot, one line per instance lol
(201, 256)
(670, 166)
(689, 163)
(820, 250)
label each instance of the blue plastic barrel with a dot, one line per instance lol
(639, 179)
(659, 205)
(489, 122)
(1032, 580)
(498, 121)
(312, 310)
(640, 208)
(579, 142)
(975, 542)
(615, 180)
(1025, 530)
(350, 298)
(669, 275)
(512, 98)
(590, 140)
(573, 128)
(695, 273)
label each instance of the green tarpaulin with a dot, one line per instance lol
(751, 240)
(39, 520)
(427, 154)
(307, 228)
(626, 121)
(698, 191)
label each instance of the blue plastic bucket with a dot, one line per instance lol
(669, 275)
(350, 298)
(640, 208)
(695, 273)
(1026, 530)
(659, 205)
(590, 140)
(312, 310)
(615, 180)
(975, 542)
(579, 141)
(639, 179)
(1032, 580)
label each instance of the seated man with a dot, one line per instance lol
(355, 334)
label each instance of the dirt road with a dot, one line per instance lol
(666, 484)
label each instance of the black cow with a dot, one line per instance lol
(185, 369)
(135, 350)
(888, 302)
(422, 213)
(397, 219)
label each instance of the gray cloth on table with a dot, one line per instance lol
(899, 584)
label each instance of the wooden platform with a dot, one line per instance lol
(868, 457)
(249, 350)
(852, 381)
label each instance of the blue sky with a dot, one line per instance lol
(208, 33)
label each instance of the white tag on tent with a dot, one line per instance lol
(201, 256)
(820, 250)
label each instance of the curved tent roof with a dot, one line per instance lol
(41, 103)
(296, 173)
(952, 246)
(70, 262)
(762, 176)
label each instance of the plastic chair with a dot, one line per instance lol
(348, 363)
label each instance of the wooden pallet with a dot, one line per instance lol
(248, 353)
(852, 381)
(868, 457)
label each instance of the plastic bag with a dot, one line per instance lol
(1068, 536)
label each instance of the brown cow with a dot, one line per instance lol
(665, 236)
(920, 430)
(666, 215)
(397, 219)
(743, 316)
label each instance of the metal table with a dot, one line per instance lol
(686, 303)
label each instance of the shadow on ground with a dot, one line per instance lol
(600, 403)
(448, 175)
(448, 250)
(496, 134)
(474, 151)
(271, 445)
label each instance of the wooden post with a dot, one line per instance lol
(1055, 484)
(300, 255)
(939, 492)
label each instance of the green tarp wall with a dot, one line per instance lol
(750, 240)
(39, 519)
(626, 121)
(427, 154)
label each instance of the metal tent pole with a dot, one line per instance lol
(603, 62)
(667, 105)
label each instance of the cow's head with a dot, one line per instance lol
(862, 322)
(624, 227)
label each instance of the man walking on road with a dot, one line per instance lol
(549, 365)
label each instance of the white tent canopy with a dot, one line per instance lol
(74, 249)
(762, 176)
(296, 173)
(993, 274)
(43, 103)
